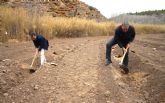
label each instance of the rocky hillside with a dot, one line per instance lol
(58, 8)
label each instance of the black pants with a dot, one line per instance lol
(109, 45)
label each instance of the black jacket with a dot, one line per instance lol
(124, 37)
(41, 43)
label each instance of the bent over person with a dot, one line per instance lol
(41, 44)
(124, 35)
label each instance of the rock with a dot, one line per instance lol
(6, 46)
(54, 53)
(24, 66)
(146, 94)
(154, 49)
(2, 66)
(145, 45)
(5, 60)
(4, 71)
(44, 77)
(122, 85)
(36, 87)
(2, 81)
(146, 75)
(146, 61)
(139, 101)
(54, 64)
(132, 51)
(82, 44)
(67, 48)
(107, 93)
(109, 102)
(32, 70)
(21, 101)
(5, 94)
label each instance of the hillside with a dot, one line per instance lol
(57, 8)
(150, 12)
(144, 17)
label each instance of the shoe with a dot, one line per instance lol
(108, 62)
(125, 69)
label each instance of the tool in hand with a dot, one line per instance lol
(122, 58)
(31, 69)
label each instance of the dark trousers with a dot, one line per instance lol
(109, 45)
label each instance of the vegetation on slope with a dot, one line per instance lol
(150, 12)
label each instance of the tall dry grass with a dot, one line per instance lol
(149, 28)
(73, 27)
(13, 21)
(17, 22)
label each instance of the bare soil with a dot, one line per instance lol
(79, 75)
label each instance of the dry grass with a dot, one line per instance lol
(149, 28)
(14, 21)
(73, 27)
(17, 22)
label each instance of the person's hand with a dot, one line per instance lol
(113, 48)
(128, 46)
(124, 49)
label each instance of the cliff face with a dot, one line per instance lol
(58, 8)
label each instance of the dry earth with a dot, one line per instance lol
(79, 74)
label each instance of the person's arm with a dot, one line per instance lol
(117, 37)
(132, 37)
(37, 51)
(42, 43)
(35, 44)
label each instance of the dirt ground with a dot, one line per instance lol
(79, 74)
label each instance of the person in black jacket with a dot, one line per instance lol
(41, 44)
(124, 35)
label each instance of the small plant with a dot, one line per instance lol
(92, 8)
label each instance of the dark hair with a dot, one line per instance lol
(32, 34)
